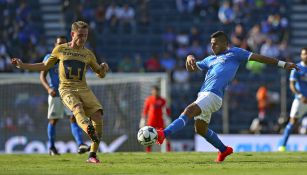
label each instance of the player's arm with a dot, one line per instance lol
(34, 67)
(273, 61)
(297, 92)
(38, 66)
(44, 82)
(292, 87)
(190, 64)
(166, 115)
(144, 114)
(99, 69)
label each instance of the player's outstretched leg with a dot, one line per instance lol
(84, 123)
(77, 133)
(214, 140)
(201, 128)
(284, 140)
(222, 155)
(97, 124)
(175, 126)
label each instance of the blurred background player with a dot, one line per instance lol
(73, 59)
(298, 85)
(156, 113)
(56, 109)
(222, 67)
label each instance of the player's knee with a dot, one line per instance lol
(201, 127)
(77, 109)
(72, 119)
(200, 131)
(97, 115)
(293, 120)
(52, 121)
(192, 110)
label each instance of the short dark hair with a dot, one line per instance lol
(61, 37)
(79, 25)
(156, 88)
(304, 48)
(220, 34)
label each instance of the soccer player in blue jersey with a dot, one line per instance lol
(298, 85)
(56, 109)
(221, 69)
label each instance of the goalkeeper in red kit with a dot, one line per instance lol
(156, 113)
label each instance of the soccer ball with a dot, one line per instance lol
(147, 136)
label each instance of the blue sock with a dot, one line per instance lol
(51, 134)
(212, 138)
(176, 125)
(286, 135)
(76, 132)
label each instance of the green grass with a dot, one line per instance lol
(294, 163)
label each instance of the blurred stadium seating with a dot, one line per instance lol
(29, 27)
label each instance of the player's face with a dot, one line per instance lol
(218, 46)
(60, 41)
(304, 55)
(79, 37)
(154, 92)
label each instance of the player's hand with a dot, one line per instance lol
(105, 67)
(51, 92)
(17, 62)
(191, 62)
(142, 122)
(290, 66)
(304, 99)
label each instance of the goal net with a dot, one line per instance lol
(23, 106)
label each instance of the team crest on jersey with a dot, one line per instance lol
(229, 54)
(219, 59)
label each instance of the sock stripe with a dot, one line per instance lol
(183, 121)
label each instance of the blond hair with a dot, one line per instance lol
(79, 25)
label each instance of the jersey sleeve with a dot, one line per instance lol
(293, 75)
(46, 58)
(242, 54)
(146, 107)
(93, 61)
(54, 56)
(203, 64)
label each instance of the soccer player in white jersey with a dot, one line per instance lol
(222, 67)
(298, 85)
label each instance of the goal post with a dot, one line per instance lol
(24, 108)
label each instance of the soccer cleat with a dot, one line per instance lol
(161, 136)
(53, 151)
(92, 134)
(83, 148)
(92, 160)
(282, 149)
(222, 155)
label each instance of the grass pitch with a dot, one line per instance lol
(292, 163)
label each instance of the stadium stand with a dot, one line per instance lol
(140, 29)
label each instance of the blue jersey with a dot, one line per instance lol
(54, 76)
(300, 78)
(221, 69)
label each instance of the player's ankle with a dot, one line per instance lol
(92, 154)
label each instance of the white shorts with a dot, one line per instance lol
(208, 102)
(56, 109)
(298, 109)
